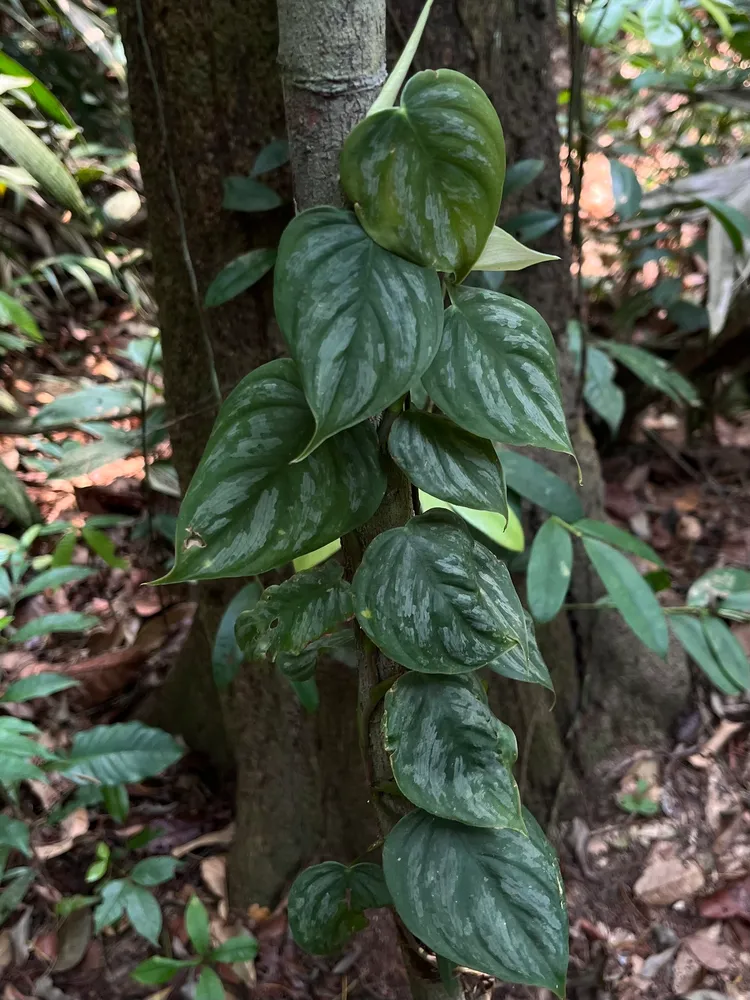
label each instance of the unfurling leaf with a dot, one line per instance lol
(387, 96)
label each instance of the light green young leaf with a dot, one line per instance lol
(502, 529)
(387, 96)
(549, 570)
(116, 801)
(103, 546)
(14, 313)
(158, 970)
(503, 252)
(603, 20)
(311, 559)
(209, 986)
(44, 98)
(197, 925)
(661, 24)
(37, 686)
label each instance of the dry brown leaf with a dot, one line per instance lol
(73, 940)
(44, 946)
(724, 732)
(73, 827)
(712, 955)
(732, 901)
(222, 837)
(667, 878)
(687, 971)
(214, 875)
(11, 993)
(156, 630)
(6, 950)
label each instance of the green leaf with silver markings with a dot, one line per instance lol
(447, 462)
(548, 574)
(434, 600)
(492, 900)
(516, 666)
(327, 904)
(450, 755)
(361, 323)
(249, 506)
(426, 178)
(495, 373)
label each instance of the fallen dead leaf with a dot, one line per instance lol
(155, 631)
(724, 732)
(712, 955)
(19, 937)
(73, 827)
(667, 878)
(6, 950)
(11, 993)
(260, 913)
(732, 901)
(687, 971)
(214, 875)
(44, 946)
(73, 940)
(222, 837)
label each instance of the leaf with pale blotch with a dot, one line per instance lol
(503, 529)
(426, 178)
(249, 507)
(503, 252)
(496, 374)
(491, 900)
(450, 755)
(433, 599)
(448, 462)
(548, 574)
(361, 323)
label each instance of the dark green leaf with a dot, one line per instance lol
(103, 546)
(13, 895)
(548, 574)
(64, 621)
(689, 632)
(197, 925)
(517, 667)
(42, 97)
(495, 373)
(528, 226)
(736, 224)
(37, 686)
(728, 652)
(64, 550)
(291, 615)
(243, 948)
(84, 459)
(307, 693)
(531, 480)
(448, 978)
(54, 578)
(603, 21)
(120, 754)
(15, 501)
(14, 313)
(144, 913)
(271, 157)
(491, 900)
(243, 194)
(247, 509)
(159, 970)
(116, 801)
(327, 902)
(447, 462)
(361, 323)
(450, 755)
(112, 905)
(630, 594)
(652, 370)
(154, 871)
(427, 177)
(14, 833)
(625, 188)
(209, 986)
(96, 402)
(521, 173)
(226, 658)
(238, 275)
(434, 600)
(601, 393)
(619, 538)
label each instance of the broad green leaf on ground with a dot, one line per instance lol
(242, 948)
(158, 970)
(112, 904)
(292, 614)
(42, 97)
(549, 569)
(154, 871)
(197, 925)
(534, 482)
(447, 462)
(54, 578)
(102, 546)
(603, 20)
(503, 529)
(82, 460)
(619, 538)
(630, 594)
(37, 686)
(244, 194)
(491, 900)
(15, 501)
(120, 754)
(14, 892)
(652, 370)
(95, 402)
(63, 621)
(692, 637)
(271, 157)
(503, 252)
(421, 595)
(249, 507)
(361, 323)
(238, 275)
(316, 557)
(495, 374)
(27, 150)
(144, 912)
(728, 652)
(625, 188)
(661, 25)
(521, 173)
(209, 986)
(226, 656)
(14, 313)
(327, 903)
(426, 178)
(450, 755)
(14, 833)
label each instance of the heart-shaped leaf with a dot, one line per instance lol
(327, 904)
(550, 566)
(294, 613)
(361, 323)
(426, 178)
(434, 600)
(450, 755)
(247, 509)
(491, 900)
(447, 462)
(495, 373)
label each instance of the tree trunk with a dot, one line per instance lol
(206, 96)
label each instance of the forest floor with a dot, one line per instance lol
(657, 873)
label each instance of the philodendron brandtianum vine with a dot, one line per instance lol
(295, 461)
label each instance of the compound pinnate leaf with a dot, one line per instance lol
(119, 754)
(548, 574)
(250, 507)
(495, 373)
(491, 900)
(426, 178)
(361, 323)
(450, 755)
(434, 600)
(447, 462)
(327, 904)
(293, 614)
